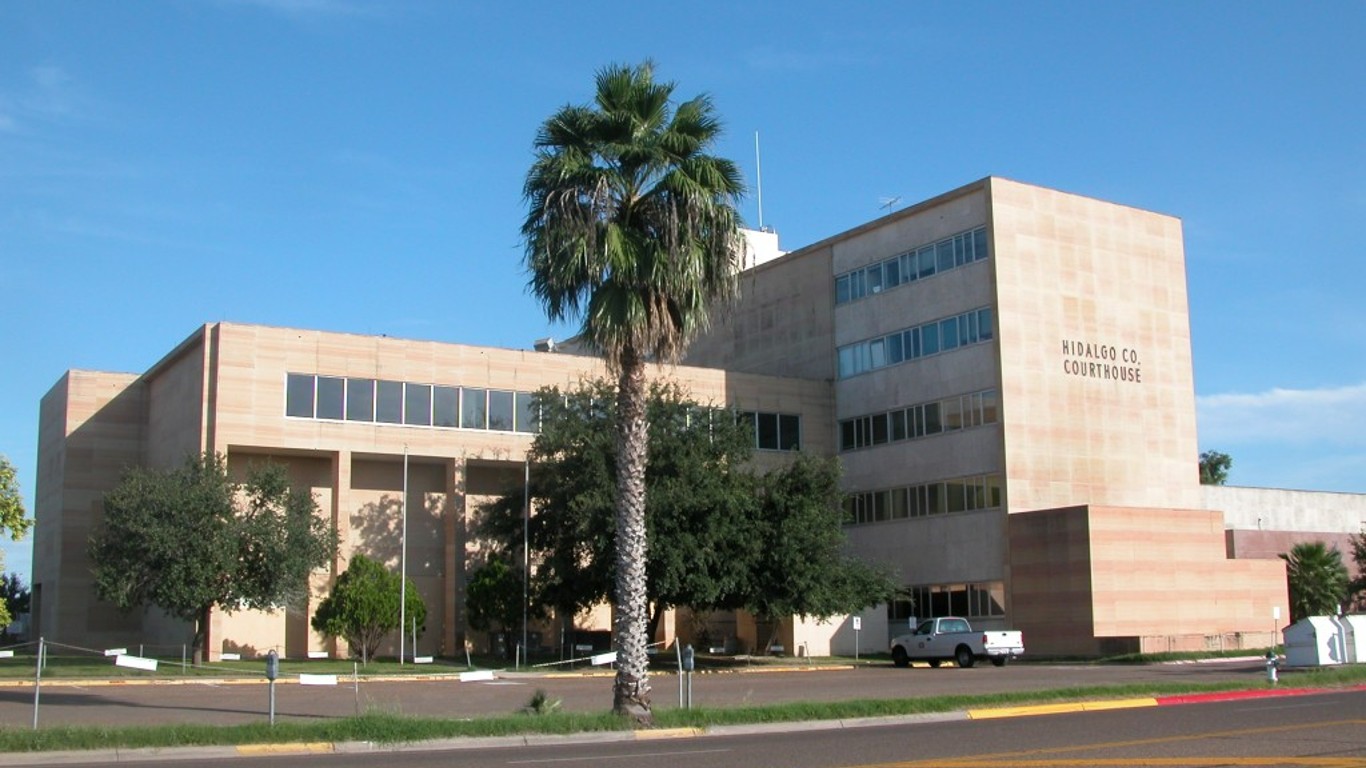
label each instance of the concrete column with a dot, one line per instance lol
(453, 562)
(341, 518)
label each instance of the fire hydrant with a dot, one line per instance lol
(1271, 667)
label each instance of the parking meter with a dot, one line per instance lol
(687, 658)
(272, 665)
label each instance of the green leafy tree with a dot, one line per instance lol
(1214, 467)
(803, 568)
(1317, 579)
(14, 599)
(363, 607)
(1358, 585)
(11, 517)
(494, 600)
(188, 540)
(632, 228)
(698, 503)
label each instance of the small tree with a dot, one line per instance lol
(189, 539)
(14, 600)
(1214, 467)
(493, 598)
(1317, 579)
(11, 518)
(803, 568)
(363, 607)
(1358, 585)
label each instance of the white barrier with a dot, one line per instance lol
(423, 659)
(6, 654)
(476, 676)
(229, 657)
(317, 654)
(115, 651)
(317, 679)
(604, 658)
(136, 662)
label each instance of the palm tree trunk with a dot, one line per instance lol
(630, 692)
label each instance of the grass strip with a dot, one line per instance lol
(387, 728)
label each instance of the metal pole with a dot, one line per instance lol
(678, 650)
(182, 658)
(355, 684)
(38, 681)
(526, 550)
(403, 560)
(272, 702)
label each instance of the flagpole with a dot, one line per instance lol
(403, 561)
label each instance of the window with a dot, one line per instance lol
(952, 414)
(948, 333)
(445, 406)
(916, 264)
(789, 432)
(768, 431)
(500, 410)
(331, 398)
(474, 408)
(528, 420)
(898, 425)
(389, 402)
(417, 408)
(879, 429)
(847, 436)
(299, 396)
(360, 399)
(943, 256)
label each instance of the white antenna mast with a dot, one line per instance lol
(759, 180)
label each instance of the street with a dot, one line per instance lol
(1327, 729)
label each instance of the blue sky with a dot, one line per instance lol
(355, 165)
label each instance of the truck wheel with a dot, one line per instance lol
(935, 663)
(899, 657)
(964, 658)
(998, 661)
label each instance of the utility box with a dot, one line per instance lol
(1354, 639)
(1315, 641)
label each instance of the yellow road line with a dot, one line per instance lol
(667, 733)
(303, 748)
(1053, 709)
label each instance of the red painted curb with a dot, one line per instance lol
(1202, 698)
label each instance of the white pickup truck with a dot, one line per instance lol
(951, 638)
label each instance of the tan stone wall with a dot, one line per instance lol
(90, 432)
(355, 469)
(175, 406)
(782, 324)
(1125, 574)
(1073, 269)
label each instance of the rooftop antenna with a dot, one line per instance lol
(886, 203)
(759, 180)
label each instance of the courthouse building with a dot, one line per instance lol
(1003, 370)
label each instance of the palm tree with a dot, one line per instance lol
(632, 227)
(1317, 578)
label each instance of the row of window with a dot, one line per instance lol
(947, 415)
(400, 402)
(774, 431)
(914, 343)
(918, 264)
(974, 601)
(336, 398)
(963, 494)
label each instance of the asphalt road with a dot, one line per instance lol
(1327, 729)
(220, 703)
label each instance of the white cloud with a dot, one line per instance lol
(1331, 416)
